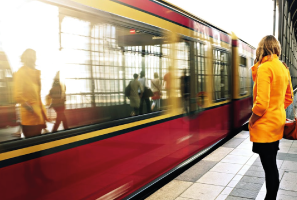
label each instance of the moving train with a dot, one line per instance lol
(97, 46)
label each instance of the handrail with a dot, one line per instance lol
(295, 90)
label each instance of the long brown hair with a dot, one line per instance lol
(268, 46)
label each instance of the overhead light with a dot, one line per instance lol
(132, 31)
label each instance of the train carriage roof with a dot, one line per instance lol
(194, 17)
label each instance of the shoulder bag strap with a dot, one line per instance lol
(289, 83)
(156, 86)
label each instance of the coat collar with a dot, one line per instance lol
(256, 66)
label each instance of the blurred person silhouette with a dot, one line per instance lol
(272, 95)
(167, 82)
(58, 96)
(135, 97)
(144, 97)
(185, 90)
(27, 87)
(156, 89)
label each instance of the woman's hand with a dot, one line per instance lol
(253, 119)
(28, 107)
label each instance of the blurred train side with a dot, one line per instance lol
(128, 153)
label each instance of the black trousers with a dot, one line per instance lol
(60, 118)
(148, 105)
(271, 174)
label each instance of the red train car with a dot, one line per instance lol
(97, 46)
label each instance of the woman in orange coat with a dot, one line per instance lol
(272, 95)
(27, 87)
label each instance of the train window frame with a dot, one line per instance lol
(225, 92)
(243, 79)
(200, 62)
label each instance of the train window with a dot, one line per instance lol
(200, 71)
(242, 61)
(165, 64)
(95, 60)
(243, 76)
(107, 71)
(220, 74)
(152, 62)
(76, 69)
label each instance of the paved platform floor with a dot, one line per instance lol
(232, 172)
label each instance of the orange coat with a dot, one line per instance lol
(27, 86)
(272, 95)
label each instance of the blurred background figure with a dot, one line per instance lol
(58, 96)
(9, 126)
(145, 97)
(134, 96)
(167, 82)
(27, 87)
(156, 88)
(185, 90)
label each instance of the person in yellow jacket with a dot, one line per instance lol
(27, 87)
(272, 94)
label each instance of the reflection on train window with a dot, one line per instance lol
(182, 62)
(243, 75)
(165, 64)
(200, 70)
(96, 61)
(77, 62)
(153, 63)
(220, 74)
(133, 63)
(107, 68)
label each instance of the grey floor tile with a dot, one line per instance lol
(290, 176)
(255, 173)
(203, 164)
(244, 193)
(218, 154)
(293, 150)
(288, 193)
(233, 143)
(285, 197)
(250, 179)
(189, 176)
(256, 168)
(287, 157)
(249, 186)
(281, 156)
(257, 163)
(289, 166)
(196, 171)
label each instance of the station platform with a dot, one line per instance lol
(233, 172)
